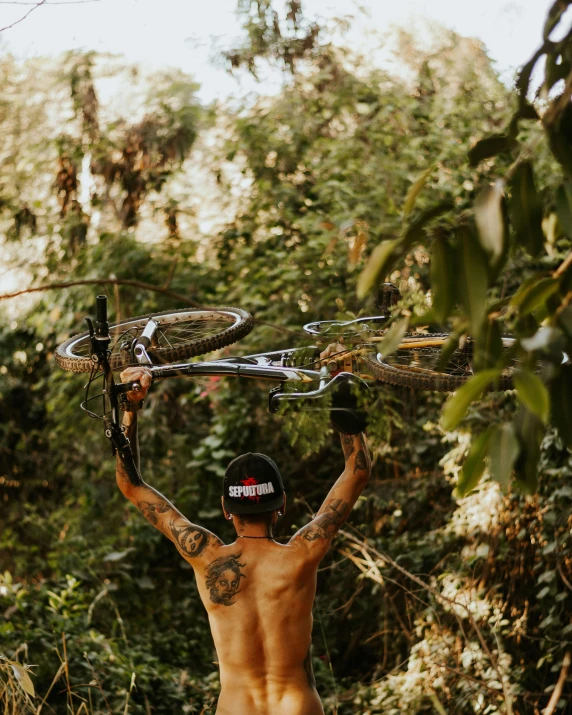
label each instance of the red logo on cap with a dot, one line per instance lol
(250, 482)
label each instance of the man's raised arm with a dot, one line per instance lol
(318, 534)
(192, 541)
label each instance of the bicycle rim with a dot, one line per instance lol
(335, 329)
(181, 334)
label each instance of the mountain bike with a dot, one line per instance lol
(169, 344)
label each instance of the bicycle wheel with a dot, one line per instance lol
(416, 364)
(181, 334)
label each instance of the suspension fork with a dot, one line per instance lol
(100, 339)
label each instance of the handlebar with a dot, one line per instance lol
(101, 324)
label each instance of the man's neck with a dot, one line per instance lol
(246, 530)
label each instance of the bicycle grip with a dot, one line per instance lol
(101, 309)
(124, 387)
(101, 324)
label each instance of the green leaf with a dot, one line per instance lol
(442, 278)
(533, 394)
(474, 279)
(22, 677)
(491, 146)
(379, 262)
(415, 230)
(474, 464)
(488, 346)
(533, 294)
(490, 221)
(457, 405)
(503, 450)
(414, 191)
(393, 337)
(526, 209)
(530, 431)
(448, 349)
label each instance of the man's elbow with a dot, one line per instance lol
(125, 486)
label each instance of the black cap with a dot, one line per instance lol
(252, 485)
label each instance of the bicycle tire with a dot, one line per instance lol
(74, 353)
(393, 370)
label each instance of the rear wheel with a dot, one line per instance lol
(417, 364)
(181, 334)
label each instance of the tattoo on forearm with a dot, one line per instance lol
(190, 538)
(360, 463)
(326, 525)
(223, 579)
(308, 668)
(150, 510)
(348, 445)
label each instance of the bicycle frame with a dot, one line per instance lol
(259, 367)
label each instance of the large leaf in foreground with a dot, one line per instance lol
(491, 146)
(503, 449)
(393, 337)
(457, 405)
(414, 191)
(526, 209)
(474, 464)
(533, 394)
(473, 279)
(377, 266)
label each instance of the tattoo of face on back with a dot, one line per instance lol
(325, 525)
(151, 509)
(191, 539)
(223, 579)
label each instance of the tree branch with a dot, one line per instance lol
(134, 284)
(105, 281)
(56, 2)
(36, 6)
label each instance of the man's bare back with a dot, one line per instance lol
(258, 593)
(262, 628)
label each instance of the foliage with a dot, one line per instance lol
(428, 601)
(504, 265)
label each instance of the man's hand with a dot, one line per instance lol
(141, 375)
(334, 352)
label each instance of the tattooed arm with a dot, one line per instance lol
(192, 541)
(318, 534)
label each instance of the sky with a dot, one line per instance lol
(189, 33)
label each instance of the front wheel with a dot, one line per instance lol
(417, 363)
(180, 334)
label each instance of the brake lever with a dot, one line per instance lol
(124, 387)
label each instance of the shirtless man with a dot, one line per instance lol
(258, 593)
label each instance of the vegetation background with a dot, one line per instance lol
(449, 591)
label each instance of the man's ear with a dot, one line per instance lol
(284, 504)
(224, 511)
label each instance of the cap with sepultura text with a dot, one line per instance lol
(252, 485)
